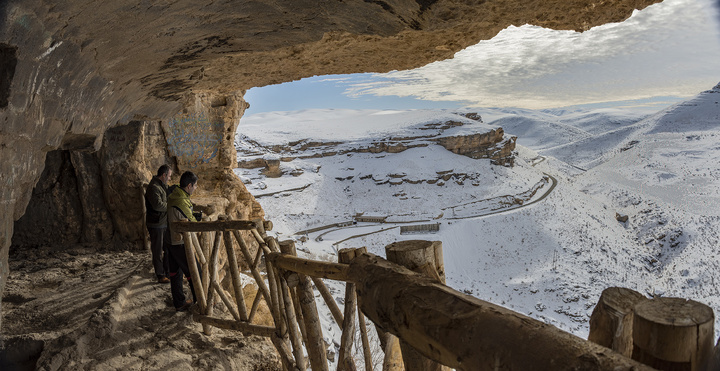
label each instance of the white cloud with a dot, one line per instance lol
(670, 48)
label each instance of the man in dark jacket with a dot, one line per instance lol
(156, 220)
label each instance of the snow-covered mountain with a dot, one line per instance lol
(542, 237)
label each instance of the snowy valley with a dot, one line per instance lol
(543, 237)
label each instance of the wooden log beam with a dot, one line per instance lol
(312, 268)
(329, 300)
(284, 351)
(275, 305)
(244, 327)
(194, 272)
(245, 250)
(198, 249)
(673, 334)
(258, 237)
(255, 305)
(217, 225)
(308, 315)
(315, 343)
(226, 300)
(365, 341)
(345, 358)
(295, 338)
(466, 333)
(611, 322)
(207, 250)
(210, 276)
(420, 256)
(213, 263)
(235, 275)
(393, 356)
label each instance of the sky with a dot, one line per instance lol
(660, 55)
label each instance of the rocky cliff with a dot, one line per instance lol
(79, 77)
(477, 141)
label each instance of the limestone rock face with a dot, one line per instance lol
(55, 213)
(71, 70)
(272, 168)
(492, 144)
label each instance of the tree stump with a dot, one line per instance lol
(673, 334)
(611, 322)
(423, 257)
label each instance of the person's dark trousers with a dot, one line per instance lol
(159, 239)
(178, 268)
(166, 252)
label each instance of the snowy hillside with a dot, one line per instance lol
(541, 237)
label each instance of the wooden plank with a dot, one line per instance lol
(216, 225)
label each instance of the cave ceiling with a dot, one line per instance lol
(163, 49)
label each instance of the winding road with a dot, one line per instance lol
(553, 183)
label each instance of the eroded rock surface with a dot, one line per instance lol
(72, 70)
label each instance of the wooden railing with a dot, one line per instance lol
(435, 326)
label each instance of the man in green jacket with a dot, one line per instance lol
(180, 208)
(156, 221)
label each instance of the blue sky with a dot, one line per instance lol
(662, 54)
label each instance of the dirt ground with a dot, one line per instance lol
(89, 308)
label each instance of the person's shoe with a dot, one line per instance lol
(163, 280)
(185, 306)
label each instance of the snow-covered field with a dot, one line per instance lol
(548, 259)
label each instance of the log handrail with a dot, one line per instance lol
(441, 323)
(312, 268)
(466, 333)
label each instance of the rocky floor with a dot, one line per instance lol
(84, 308)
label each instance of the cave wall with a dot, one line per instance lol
(72, 73)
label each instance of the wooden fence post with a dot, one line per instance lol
(194, 272)
(210, 274)
(424, 257)
(345, 360)
(673, 333)
(311, 320)
(292, 325)
(235, 275)
(611, 322)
